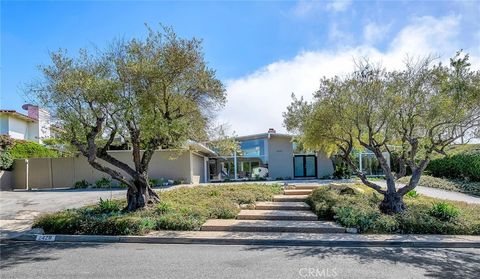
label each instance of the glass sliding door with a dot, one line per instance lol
(310, 166)
(298, 166)
(305, 165)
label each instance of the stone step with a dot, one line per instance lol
(271, 226)
(306, 187)
(293, 215)
(296, 192)
(281, 206)
(291, 198)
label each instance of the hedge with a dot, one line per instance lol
(28, 149)
(459, 166)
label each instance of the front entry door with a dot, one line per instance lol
(305, 165)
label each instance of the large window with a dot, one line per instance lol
(256, 148)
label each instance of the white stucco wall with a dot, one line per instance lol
(324, 165)
(198, 168)
(18, 129)
(280, 157)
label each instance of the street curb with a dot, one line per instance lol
(250, 241)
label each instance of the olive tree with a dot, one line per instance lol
(153, 93)
(417, 111)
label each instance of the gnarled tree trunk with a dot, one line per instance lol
(392, 203)
(142, 196)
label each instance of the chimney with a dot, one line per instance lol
(32, 110)
(271, 131)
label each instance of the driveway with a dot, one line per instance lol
(19, 208)
(440, 193)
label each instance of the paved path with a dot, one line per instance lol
(88, 260)
(441, 194)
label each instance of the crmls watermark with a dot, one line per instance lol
(311, 272)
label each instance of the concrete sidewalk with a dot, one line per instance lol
(277, 239)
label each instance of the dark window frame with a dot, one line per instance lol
(305, 166)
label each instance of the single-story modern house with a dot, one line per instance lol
(270, 155)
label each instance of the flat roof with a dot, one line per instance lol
(263, 135)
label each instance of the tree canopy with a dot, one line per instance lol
(152, 93)
(417, 111)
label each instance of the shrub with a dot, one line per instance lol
(82, 184)
(177, 221)
(385, 224)
(6, 160)
(103, 183)
(29, 149)
(341, 171)
(163, 207)
(178, 181)
(6, 142)
(444, 211)
(357, 215)
(107, 206)
(122, 225)
(459, 166)
(361, 210)
(322, 201)
(412, 194)
(223, 210)
(214, 193)
(65, 222)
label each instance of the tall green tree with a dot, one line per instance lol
(417, 111)
(152, 93)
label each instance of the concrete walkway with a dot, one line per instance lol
(440, 193)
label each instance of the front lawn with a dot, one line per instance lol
(356, 206)
(185, 208)
(457, 185)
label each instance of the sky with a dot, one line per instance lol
(263, 51)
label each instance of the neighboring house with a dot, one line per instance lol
(269, 154)
(34, 126)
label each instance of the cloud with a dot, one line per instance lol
(374, 33)
(428, 35)
(304, 7)
(338, 5)
(339, 37)
(256, 101)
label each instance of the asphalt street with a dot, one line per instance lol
(69, 260)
